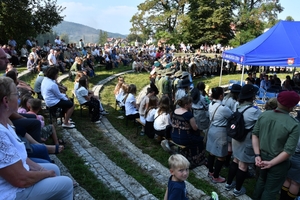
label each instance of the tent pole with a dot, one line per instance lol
(242, 78)
(221, 73)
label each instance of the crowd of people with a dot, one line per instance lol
(173, 109)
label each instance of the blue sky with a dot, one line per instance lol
(114, 15)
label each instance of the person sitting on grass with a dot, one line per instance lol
(35, 106)
(179, 169)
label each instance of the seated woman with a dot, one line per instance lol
(119, 92)
(88, 65)
(131, 108)
(149, 116)
(54, 98)
(162, 119)
(185, 132)
(76, 67)
(20, 177)
(86, 97)
(31, 64)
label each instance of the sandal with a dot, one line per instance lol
(62, 142)
(75, 184)
(57, 148)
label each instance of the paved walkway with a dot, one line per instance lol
(114, 176)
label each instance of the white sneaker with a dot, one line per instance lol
(97, 122)
(68, 126)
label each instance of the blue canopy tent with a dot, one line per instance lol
(279, 46)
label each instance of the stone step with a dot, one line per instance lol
(104, 169)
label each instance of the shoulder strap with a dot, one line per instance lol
(157, 116)
(215, 113)
(246, 109)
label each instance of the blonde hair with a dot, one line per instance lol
(178, 161)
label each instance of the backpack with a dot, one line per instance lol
(235, 127)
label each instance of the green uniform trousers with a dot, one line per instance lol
(270, 180)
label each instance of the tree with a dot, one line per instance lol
(208, 22)
(133, 37)
(253, 16)
(156, 16)
(289, 18)
(65, 37)
(21, 19)
(102, 37)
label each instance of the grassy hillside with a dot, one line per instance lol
(77, 31)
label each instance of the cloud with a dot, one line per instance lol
(112, 19)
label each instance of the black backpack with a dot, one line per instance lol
(236, 126)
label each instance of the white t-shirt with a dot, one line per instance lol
(130, 109)
(134, 65)
(80, 94)
(161, 121)
(51, 59)
(12, 150)
(150, 115)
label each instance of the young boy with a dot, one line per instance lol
(47, 131)
(179, 168)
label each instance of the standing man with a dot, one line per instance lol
(274, 138)
(81, 44)
(28, 44)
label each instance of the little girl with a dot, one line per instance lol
(85, 97)
(48, 130)
(24, 106)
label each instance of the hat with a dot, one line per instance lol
(184, 83)
(288, 98)
(156, 64)
(184, 74)
(169, 65)
(248, 91)
(169, 71)
(178, 73)
(159, 72)
(235, 88)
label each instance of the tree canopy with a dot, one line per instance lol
(205, 21)
(20, 19)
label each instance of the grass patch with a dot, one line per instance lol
(85, 177)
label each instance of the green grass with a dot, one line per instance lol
(81, 172)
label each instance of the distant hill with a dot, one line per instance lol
(77, 31)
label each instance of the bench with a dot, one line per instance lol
(139, 122)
